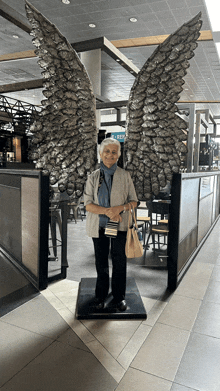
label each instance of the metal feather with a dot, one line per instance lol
(155, 133)
(65, 133)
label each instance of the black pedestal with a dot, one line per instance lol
(85, 302)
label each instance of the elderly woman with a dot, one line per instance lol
(108, 192)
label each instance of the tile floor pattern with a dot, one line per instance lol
(44, 347)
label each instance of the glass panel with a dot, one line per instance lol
(10, 216)
(207, 185)
(30, 226)
(189, 206)
(205, 216)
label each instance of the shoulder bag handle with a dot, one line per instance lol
(132, 216)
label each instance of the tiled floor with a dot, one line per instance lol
(44, 347)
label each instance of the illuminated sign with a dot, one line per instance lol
(120, 136)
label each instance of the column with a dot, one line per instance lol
(92, 62)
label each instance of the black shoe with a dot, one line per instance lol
(122, 305)
(99, 304)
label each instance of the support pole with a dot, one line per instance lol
(197, 142)
(92, 62)
(190, 141)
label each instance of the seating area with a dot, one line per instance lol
(62, 210)
(76, 209)
(54, 221)
(153, 220)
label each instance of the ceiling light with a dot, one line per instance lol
(117, 59)
(213, 15)
(66, 1)
(218, 48)
(92, 25)
(133, 20)
(15, 36)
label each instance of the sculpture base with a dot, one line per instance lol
(85, 302)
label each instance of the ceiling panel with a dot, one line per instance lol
(155, 17)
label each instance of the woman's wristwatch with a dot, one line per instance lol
(123, 211)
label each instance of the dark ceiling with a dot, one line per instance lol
(154, 18)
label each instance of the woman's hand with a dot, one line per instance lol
(114, 217)
(114, 212)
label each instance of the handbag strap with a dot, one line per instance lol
(132, 216)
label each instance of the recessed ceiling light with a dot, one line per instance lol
(92, 25)
(133, 20)
(117, 59)
(15, 36)
(66, 1)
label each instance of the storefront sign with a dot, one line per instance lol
(120, 136)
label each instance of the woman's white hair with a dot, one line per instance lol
(110, 140)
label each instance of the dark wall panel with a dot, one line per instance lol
(10, 180)
(24, 220)
(10, 226)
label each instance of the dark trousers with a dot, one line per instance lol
(119, 265)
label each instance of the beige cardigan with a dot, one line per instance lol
(122, 192)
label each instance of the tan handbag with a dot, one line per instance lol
(133, 247)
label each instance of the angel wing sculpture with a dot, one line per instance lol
(65, 134)
(155, 134)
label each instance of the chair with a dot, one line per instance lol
(158, 224)
(143, 220)
(76, 209)
(158, 210)
(82, 207)
(162, 232)
(54, 219)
